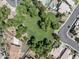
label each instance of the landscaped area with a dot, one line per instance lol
(33, 19)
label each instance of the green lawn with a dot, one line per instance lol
(33, 29)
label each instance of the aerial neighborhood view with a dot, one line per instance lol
(39, 29)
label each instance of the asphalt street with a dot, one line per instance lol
(68, 24)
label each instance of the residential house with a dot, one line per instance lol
(13, 3)
(45, 2)
(70, 56)
(15, 48)
(64, 8)
(57, 52)
(66, 54)
(71, 2)
(51, 4)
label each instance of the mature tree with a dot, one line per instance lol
(42, 47)
(4, 12)
(26, 7)
(21, 30)
(56, 43)
(48, 20)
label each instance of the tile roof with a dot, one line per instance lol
(14, 52)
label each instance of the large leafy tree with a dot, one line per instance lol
(4, 12)
(27, 7)
(42, 47)
(48, 20)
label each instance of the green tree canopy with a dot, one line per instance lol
(4, 12)
(38, 23)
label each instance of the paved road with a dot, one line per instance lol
(63, 31)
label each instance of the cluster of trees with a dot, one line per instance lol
(42, 46)
(17, 22)
(48, 20)
(27, 7)
(4, 12)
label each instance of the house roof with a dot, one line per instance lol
(56, 53)
(64, 8)
(16, 41)
(15, 48)
(70, 57)
(66, 54)
(50, 4)
(45, 2)
(13, 3)
(71, 2)
(14, 52)
(53, 4)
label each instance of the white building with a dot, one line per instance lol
(45, 2)
(50, 4)
(66, 54)
(16, 41)
(53, 5)
(56, 53)
(70, 57)
(64, 8)
(71, 2)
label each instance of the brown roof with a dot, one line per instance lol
(14, 52)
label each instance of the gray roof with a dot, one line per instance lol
(13, 3)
